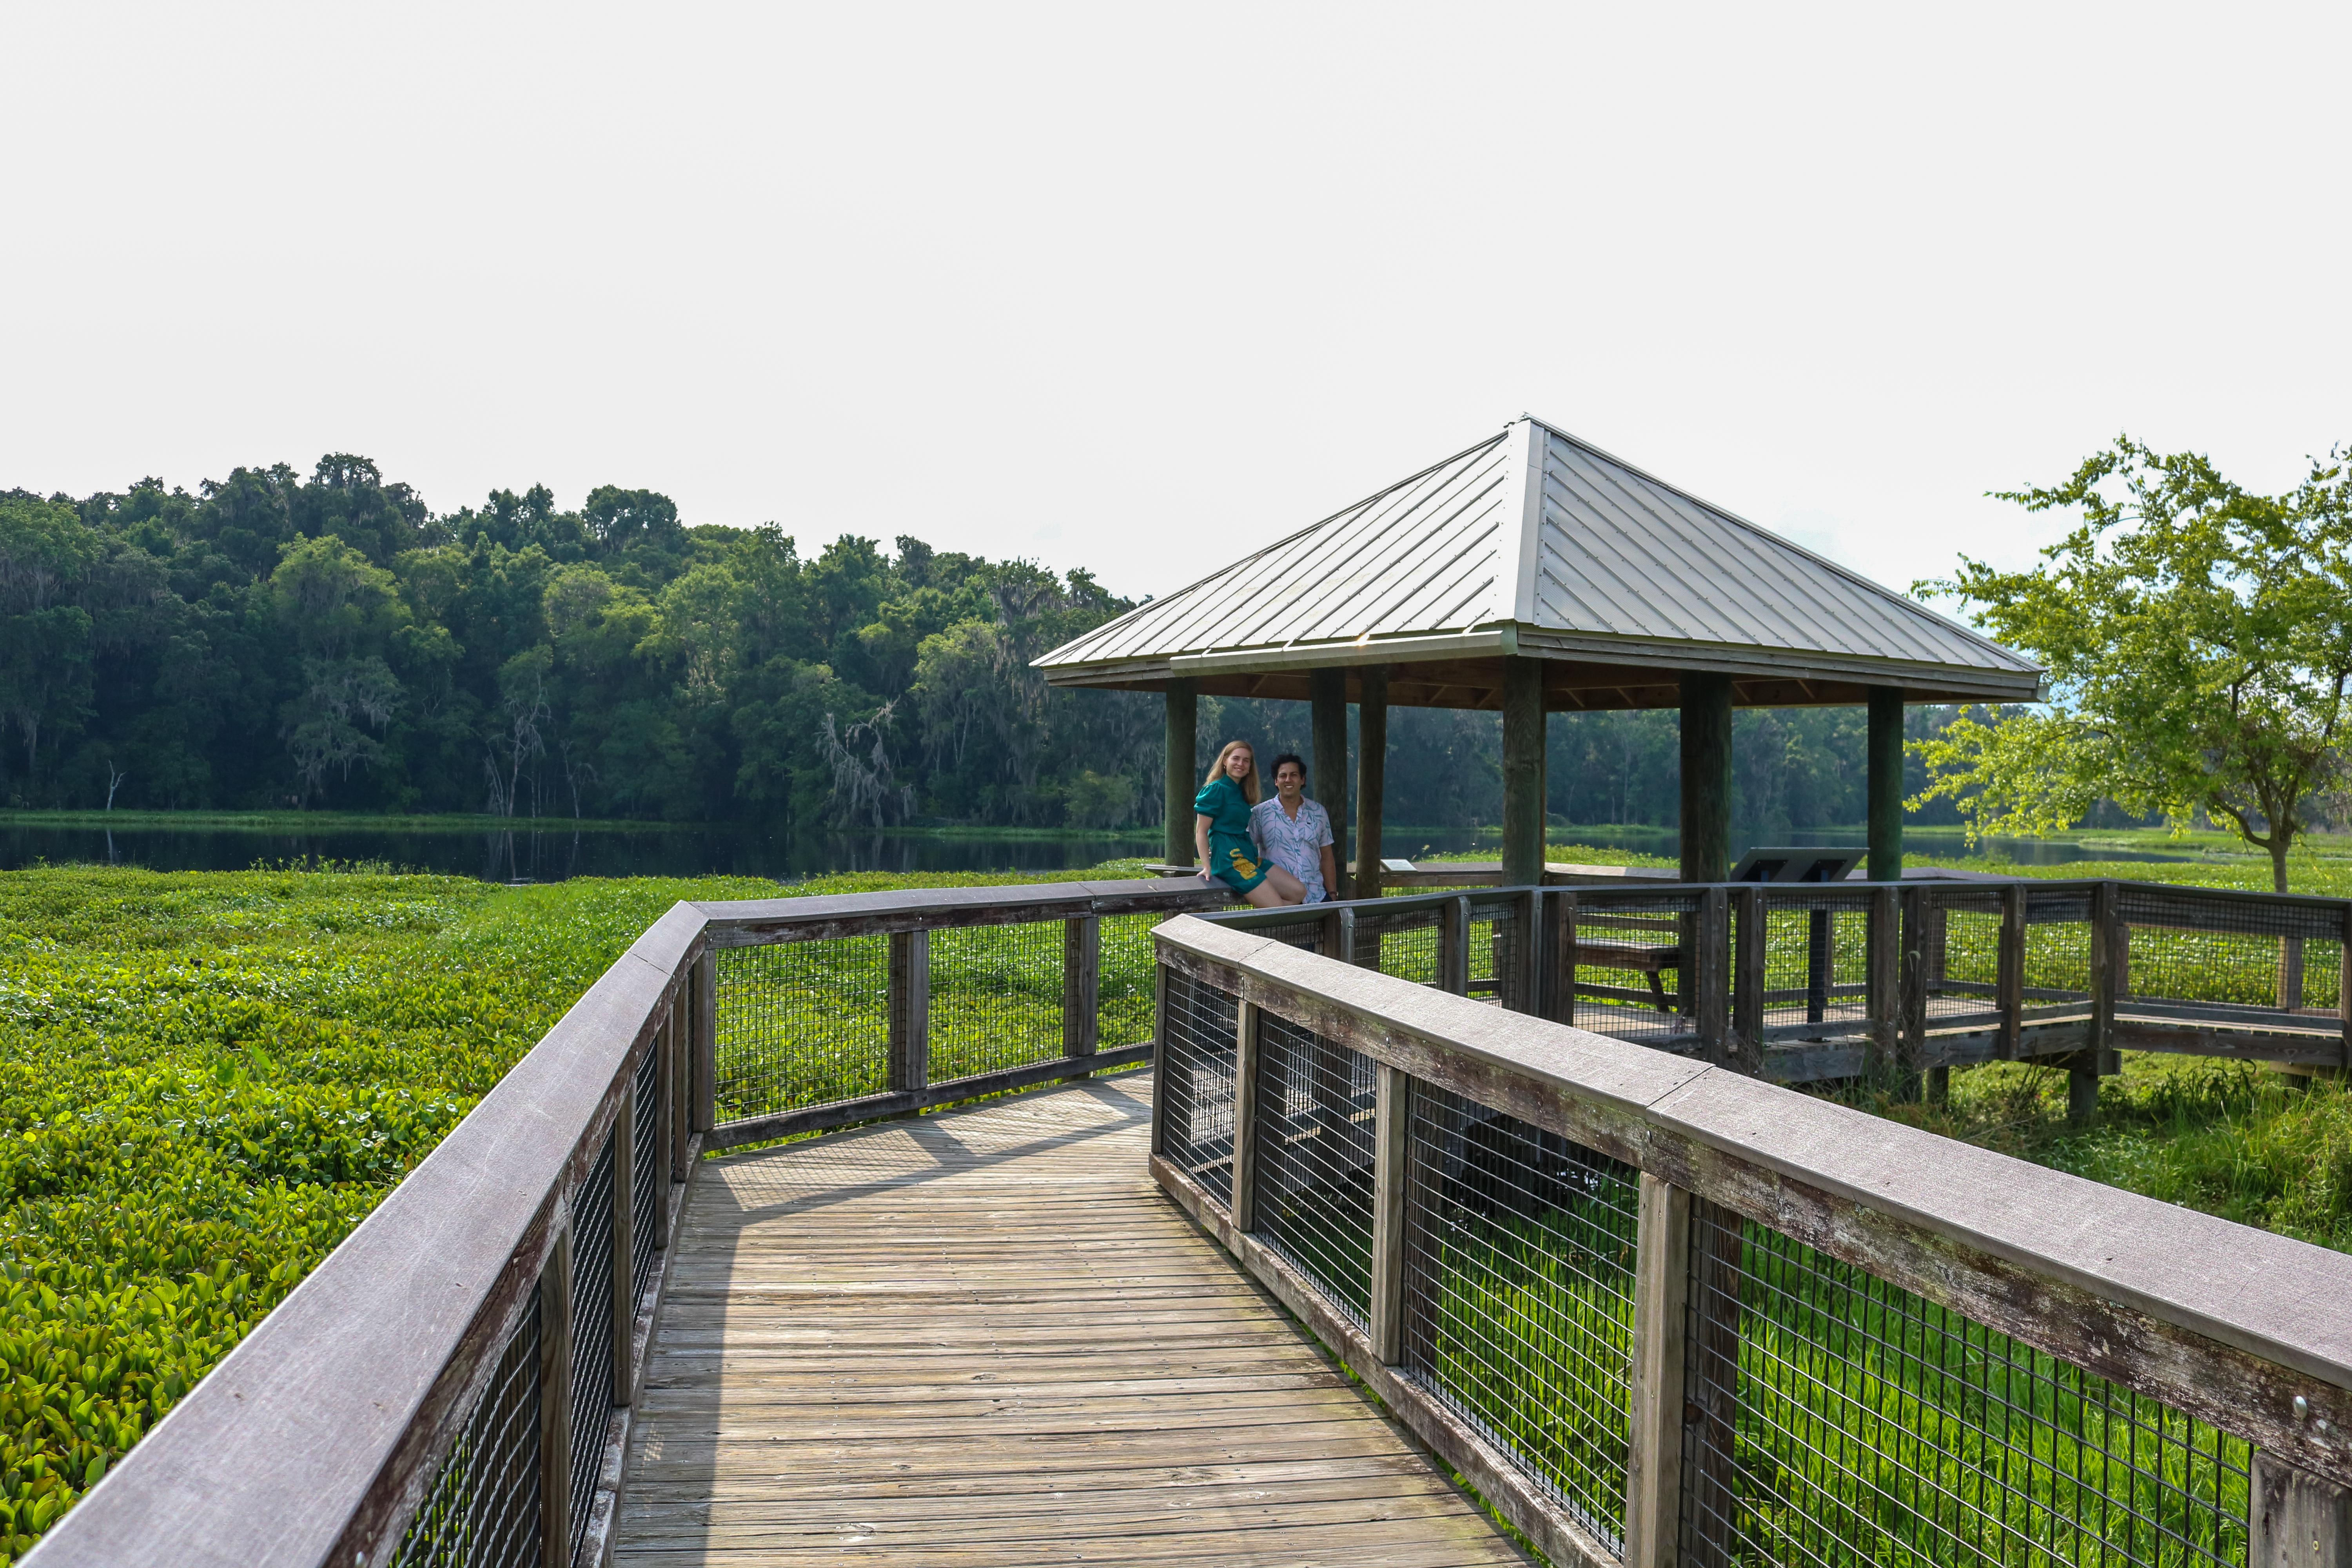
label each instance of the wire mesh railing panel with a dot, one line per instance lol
(1816, 963)
(1625, 969)
(482, 1508)
(1404, 945)
(1519, 1295)
(648, 1175)
(1496, 950)
(591, 1333)
(2221, 972)
(1314, 1182)
(996, 997)
(1838, 1420)
(2142, 904)
(2057, 983)
(1123, 1013)
(802, 1023)
(1196, 1087)
(1962, 958)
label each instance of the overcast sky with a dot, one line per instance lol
(1137, 288)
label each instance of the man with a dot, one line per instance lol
(1293, 832)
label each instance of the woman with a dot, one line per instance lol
(1221, 832)
(1293, 832)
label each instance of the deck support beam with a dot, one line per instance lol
(1523, 772)
(1706, 778)
(1885, 787)
(1183, 740)
(1371, 765)
(1327, 690)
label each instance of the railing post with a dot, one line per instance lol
(677, 1132)
(556, 1403)
(2344, 992)
(1453, 946)
(1245, 1026)
(910, 1012)
(2009, 985)
(1654, 1479)
(1886, 970)
(1747, 973)
(1160, 1064)
(1911, 1038)
(625, 1231)
(1707, 968)
(2083, 1071)
(2295, 1520)
(1820, 955)
(1081, 985)
(704, 1047)
(1392, 1134)
(1552, 998)
(1527, 987)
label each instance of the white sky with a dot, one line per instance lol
(1137, 288)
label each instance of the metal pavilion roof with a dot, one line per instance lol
(1534, 542)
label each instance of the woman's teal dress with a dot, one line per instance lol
(1233, 854)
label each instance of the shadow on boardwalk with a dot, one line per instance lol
(985, 1338)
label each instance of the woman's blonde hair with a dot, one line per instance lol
(1217, 769)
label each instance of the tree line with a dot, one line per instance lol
(275, 640)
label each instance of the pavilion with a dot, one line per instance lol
(1536, 573)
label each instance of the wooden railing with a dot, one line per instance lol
(1801, 982)
(1659, 1312)
(455, 1383)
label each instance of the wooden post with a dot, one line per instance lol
(2290, 985)
(703, 1050)
(1821, 951)
(667, 1047)
(1327, 694)
(1453, 946)
(1523, 772)
(2009, 985)
(1911, 1038)
(2344, 992)
(2083, 1068)
(1371, 765)
(1886, 979)
(1706, 778)
(1706, 970)
(1081, 985)
(556, 1403)
(1748, 960)
(1654, 1479)
(624, 1235)
(1529, 987)
(910, 1011)
(1559, 955)
(1885, 785)
(1713, 1406)
(1183, 781)
(1392, 1137)
(1339, 935)
(677, 1132)
(2295, 1520)
(1245, 1035)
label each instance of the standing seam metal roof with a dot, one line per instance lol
(1536, 528)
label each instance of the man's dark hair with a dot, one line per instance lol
(1287, 757)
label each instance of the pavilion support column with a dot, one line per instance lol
(1523, 772)
(1371, 761)
(1885, 783)
(1706, 778)
(1329, 690)
(1183, 726)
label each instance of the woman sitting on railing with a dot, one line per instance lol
(1221, 833)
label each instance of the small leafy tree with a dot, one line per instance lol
(2198, 638)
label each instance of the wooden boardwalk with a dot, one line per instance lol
(986, 1338)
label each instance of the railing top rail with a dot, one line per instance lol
(299, 1448)
(1837, 1177)
(739, 923)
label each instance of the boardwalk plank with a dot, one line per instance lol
(984, 1338)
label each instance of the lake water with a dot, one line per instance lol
(552, 853)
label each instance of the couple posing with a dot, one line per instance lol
(1271, 852)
